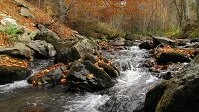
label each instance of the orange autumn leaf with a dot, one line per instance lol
(12, 62)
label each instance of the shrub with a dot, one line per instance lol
(13, 30)
(190, 31)
(95, 29)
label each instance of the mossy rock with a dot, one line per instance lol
(180, 93)
(10, 74)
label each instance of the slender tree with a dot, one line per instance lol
(197, 1)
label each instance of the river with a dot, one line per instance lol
(126, 96)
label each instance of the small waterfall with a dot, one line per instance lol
(127, 95)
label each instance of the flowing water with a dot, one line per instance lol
(126, 96)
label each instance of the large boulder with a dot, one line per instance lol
(12, 69)
(76, 51)
(179, 94)
(163, 41)
(42, 48)
(8, 21)
(18, 50)
(168, 54)
(85, 76)
(168, 57)
(51, 37)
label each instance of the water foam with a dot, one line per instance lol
(12, 86)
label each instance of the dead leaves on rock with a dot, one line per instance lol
(168, 49)
(4, 41)
(13, 62)
(47, 70)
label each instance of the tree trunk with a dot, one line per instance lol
(186, 10)
(197, 10)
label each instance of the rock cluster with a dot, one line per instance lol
(77, 63)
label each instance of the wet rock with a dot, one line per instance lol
(145, 45)
(149, 63)
(12, 69)
(180, 94)
(158, 68)
(53, 75)
(168, 57)
(194, 40)
(192, 45)
(111, 71)
(163, 41)
(91, 58)
(76, 51)
(167, 75)
(182, 42)
(18, 50)
(87, 77)
(42, 48)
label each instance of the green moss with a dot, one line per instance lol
(167, 97)
(12, 30)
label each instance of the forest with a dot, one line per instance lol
(99, 55)
(165, 17)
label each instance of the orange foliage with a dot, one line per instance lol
(12, 62)
(4, 41)
(104, 9)
(10, 8)
(47, 70)
(167, 49)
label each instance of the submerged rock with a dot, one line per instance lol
(179, 94)
(12, 69)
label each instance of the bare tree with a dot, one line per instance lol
(197, 1)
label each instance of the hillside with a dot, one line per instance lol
(13, 9)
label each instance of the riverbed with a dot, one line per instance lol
(127, 95)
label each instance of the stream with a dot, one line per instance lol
(126, 96)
